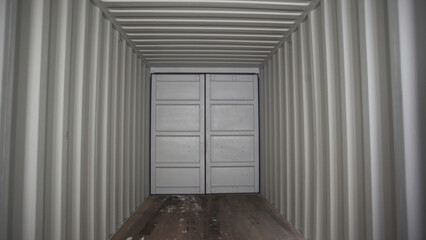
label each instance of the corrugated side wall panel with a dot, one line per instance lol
(81, 124)
(328, 163)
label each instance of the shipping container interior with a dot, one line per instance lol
(314, 107)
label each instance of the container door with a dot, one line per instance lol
(232, 154)
(177, 134)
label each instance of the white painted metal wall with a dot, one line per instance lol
(329, 146)
(80, 126)
(341, 105)
(7, 45)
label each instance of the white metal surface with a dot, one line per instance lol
(197, 27)
(341, 145)
(177, 133)
(178, 162)
(408, 37)
(8, 18)
(77, 172)
(232, 151)
(342, 108)
(203, 70)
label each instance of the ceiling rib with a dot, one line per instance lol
(203, 51)
(266, 42)
(203, 12)
(201, 55)
(204, 29)
(232, 32)
(203, 21)
(207, 35)
(274, 4)
(203, 46)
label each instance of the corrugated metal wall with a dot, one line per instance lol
(74, 122)
(81, 124)
(327, 131)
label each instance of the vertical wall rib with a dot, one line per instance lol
(271, 131)
(276, 140)
(282, 131)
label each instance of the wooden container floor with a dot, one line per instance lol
(228, 216)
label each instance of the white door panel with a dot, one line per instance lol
(177, 134)
(232, 90)
(175, 117)
(178, 90)
(172, 180)
(177, 149)
(232, 77)
(231, 117)
(232, 149)
(232, 152)
(225, 176)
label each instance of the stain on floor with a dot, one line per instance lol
(232, 216)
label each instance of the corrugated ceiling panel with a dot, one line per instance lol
(193, 32)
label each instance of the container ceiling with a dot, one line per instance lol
(206, 32)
